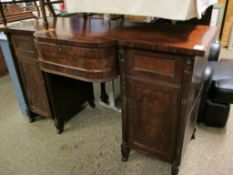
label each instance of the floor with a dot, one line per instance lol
(90, 145)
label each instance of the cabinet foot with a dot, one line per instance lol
(32, 117)
(59, 126)
(125, 150)
(175, 169)
(91, 103)
(194, 134)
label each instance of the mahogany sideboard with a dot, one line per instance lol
(160, 69)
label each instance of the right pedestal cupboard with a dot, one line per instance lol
(161, 84)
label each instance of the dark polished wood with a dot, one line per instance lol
(161, 81)
(3, 68)
(13, 12)
(68, 97)
(44, 16)
(50, 7)
(160, 68)
(17, 17)
(103, 94)
(88, 64)
(2, 14)
(32, 78)
(175, 39)
(76, 31)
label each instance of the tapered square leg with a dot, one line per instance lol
(125, 150)
(175, 169)
(59, 124)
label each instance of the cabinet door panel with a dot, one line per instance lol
(24, 43)
(34, 86)
(153, 65)
(153, 117)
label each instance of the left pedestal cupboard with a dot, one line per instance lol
(46, 95)
(32, 79)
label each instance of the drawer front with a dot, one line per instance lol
(90, 64)
(154, 66)
(24, 43)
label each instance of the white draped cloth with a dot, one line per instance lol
(169, 9)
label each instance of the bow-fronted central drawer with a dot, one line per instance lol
(88, 64)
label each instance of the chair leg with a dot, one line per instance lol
(2, 14)
(194, 134)
(37, 8)
(51, 9)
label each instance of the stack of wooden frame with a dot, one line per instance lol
(10, 12)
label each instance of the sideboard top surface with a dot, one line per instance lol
(182, 39)
(192, 40)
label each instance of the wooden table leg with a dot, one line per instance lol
(42, 7)
(37, 8)
(2, 14)
(67, 98)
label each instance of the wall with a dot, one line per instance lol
(227, 24)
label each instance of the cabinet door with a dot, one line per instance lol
(31, 75)
(153, 118)
(34, 86)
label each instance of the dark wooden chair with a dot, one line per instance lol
(15, 13)
(10, 11)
